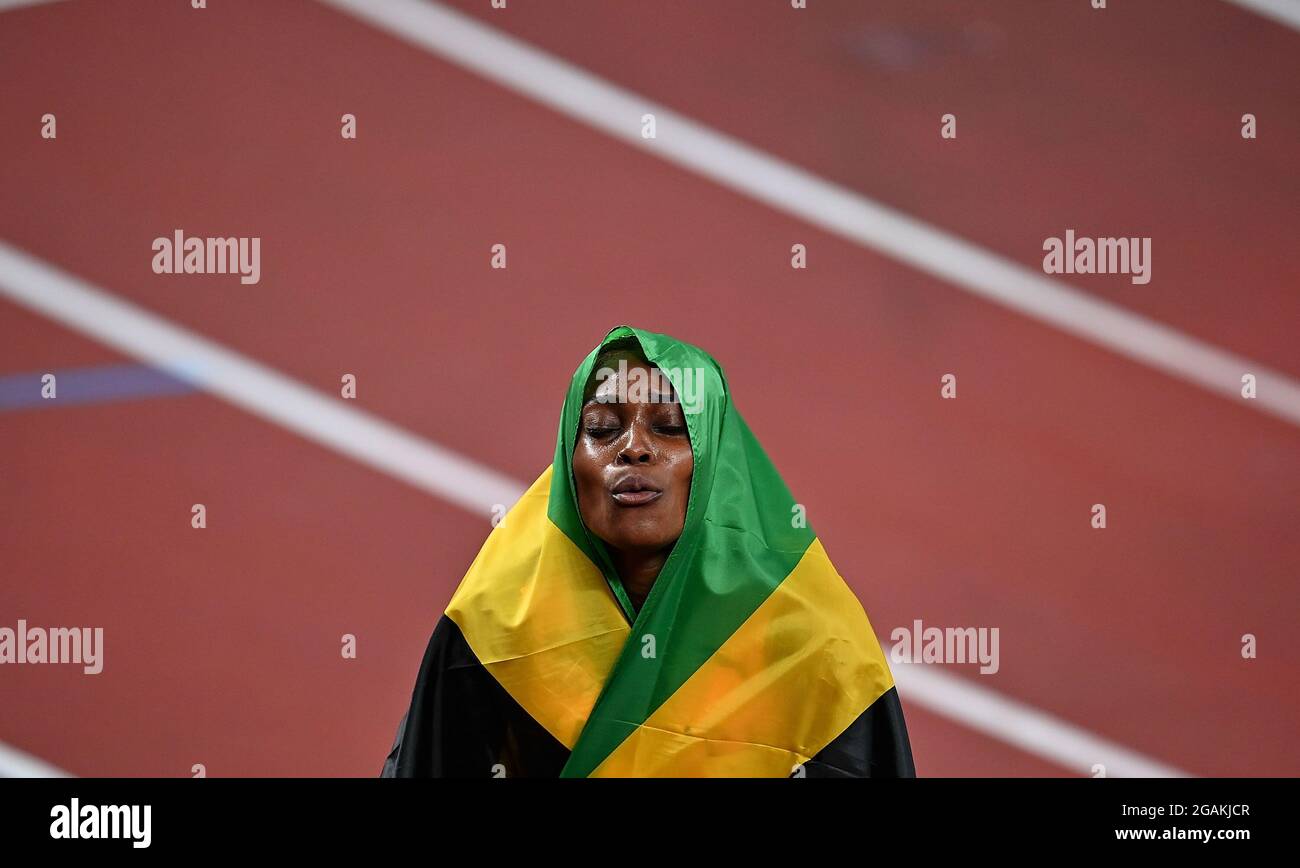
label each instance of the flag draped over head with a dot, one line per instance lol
(750, 657)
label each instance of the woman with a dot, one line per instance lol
(654, 605)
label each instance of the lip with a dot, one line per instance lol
(637, 498)
(635, 491)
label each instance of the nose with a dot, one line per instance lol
(637, 446)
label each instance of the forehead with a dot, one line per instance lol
(631, 380)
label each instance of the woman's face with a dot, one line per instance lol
(632, 462)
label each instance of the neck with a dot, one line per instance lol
(638, 570)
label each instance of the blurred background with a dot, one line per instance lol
(775, 126)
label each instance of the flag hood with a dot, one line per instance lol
(750, 654)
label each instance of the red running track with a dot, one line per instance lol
(223, 645)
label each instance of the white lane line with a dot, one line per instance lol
(6, 5)
(15, 763)
(574, 92)
(1286, 12)
(380, 445)
(254, 387)
(1020, 725)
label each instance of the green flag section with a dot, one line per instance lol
(749, 657)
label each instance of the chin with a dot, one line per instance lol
(642, 541)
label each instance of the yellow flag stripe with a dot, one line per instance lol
(802, 668)
(539, 615)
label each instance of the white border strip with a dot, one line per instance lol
(264, 392)
(1286, 12)
(574, 92)
(15, 763)
(377, 444)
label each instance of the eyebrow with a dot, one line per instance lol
(613, 399)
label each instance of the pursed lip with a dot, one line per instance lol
(634, 490)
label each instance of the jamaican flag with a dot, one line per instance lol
(749, 658)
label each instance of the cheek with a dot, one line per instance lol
(587, 477)
(584, 476)
(682, 477)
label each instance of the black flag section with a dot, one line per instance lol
(463, 724)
